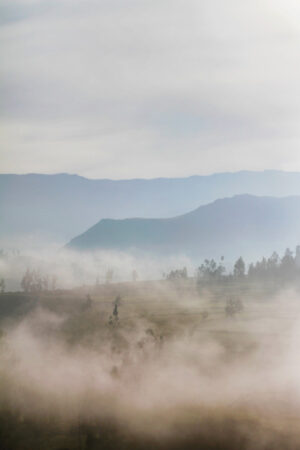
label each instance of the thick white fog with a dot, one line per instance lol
(162, 387)
(73, 269)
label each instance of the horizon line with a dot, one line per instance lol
(152, 178)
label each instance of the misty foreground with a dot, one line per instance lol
(151, 365)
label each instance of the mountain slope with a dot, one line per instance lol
(243, 224)
(65, 205)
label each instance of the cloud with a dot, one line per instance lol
(130, 87)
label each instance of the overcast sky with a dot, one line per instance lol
(148, 88)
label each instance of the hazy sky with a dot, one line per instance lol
(147, 88)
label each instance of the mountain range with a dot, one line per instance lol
(242, 225)
(62, 206)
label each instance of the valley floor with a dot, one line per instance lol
(151, 365)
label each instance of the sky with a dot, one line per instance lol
(149, 88)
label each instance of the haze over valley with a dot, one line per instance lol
(59, 207)
(149, 225)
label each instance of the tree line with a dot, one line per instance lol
(284, 268)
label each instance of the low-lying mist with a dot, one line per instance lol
(72, 269)
(163, 372)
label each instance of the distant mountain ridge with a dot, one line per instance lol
(241, 225)
(65, 205)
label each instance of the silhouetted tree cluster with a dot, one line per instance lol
(211, 271)
(286, 268)
(34, 281)
(180, 274)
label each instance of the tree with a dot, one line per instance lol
(239, 268)
(27, 280)
(114, 319)
(210, 270)
(2, 285)
(251, 271)
(273, 264)
(288, 265)
(34, 281)
(179, 274)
